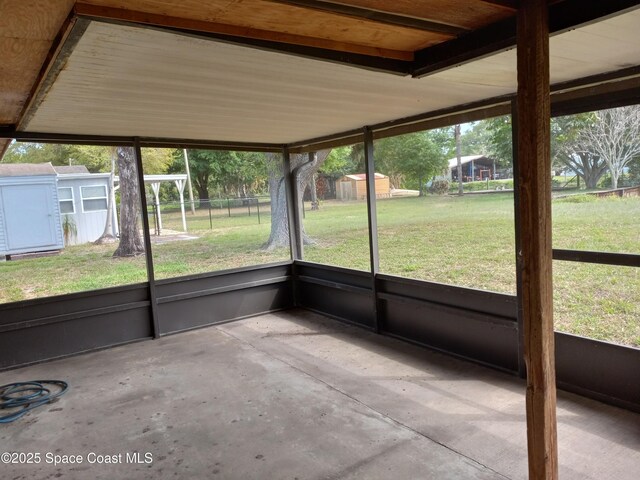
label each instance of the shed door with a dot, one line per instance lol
(345, 191)
(29, 216)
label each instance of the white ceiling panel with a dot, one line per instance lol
(128, 81)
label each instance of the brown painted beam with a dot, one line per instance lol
(146, 18)
(500, 36)
(339, 8)
(535, 254)
(512, 4)
(38, 89)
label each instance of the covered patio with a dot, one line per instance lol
(297, 395)
(313, 370)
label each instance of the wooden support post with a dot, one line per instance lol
(535, 255)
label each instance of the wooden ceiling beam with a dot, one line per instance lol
(512, 4)
(500, 36)
(55, 59)
(339, 8)
(200, 26)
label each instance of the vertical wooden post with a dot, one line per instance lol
(534, 184)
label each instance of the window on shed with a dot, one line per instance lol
(65, 197)
(94, 198)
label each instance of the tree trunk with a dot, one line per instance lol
(592, 175)
(303, 172)
(203, 196)
(279, 236)
(314, 193)
(130, 240)
(107, 235)
(459, 158)
(585, 165)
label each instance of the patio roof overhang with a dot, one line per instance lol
(145, 71)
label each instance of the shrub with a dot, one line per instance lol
(497, 185)
(69, 229)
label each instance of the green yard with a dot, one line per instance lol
(464, 241)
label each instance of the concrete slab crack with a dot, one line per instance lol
(361, 403)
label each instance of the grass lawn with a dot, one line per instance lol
(465, 241)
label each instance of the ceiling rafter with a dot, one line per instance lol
(428, 25)
(512, 4)
(185, 24)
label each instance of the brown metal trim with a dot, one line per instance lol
(522, 369)
(63, 44)
(433, 119)
(446, 120)
(616, 88)
(611, 94)
(568, 15)
(628, 73)
(376, 16)
(476, 44)
(210, 144)
(221, 273)
(146, 235)
(357, 132)
(500, 36)
(338, 142)
(66, 317)
(602, 258)
(9, 132)
(225, 289)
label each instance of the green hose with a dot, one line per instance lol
(26, 396)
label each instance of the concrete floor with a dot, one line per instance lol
(298, 396)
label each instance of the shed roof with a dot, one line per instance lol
(363, 176)
(26, 169)
(70, 169)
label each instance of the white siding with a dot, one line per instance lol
(89, 225)
(3, 236)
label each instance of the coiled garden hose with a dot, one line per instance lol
(26, 396)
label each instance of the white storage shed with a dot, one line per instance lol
(29, 209)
